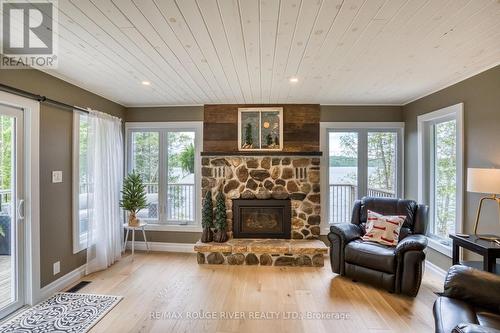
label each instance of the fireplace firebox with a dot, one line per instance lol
(261, 218)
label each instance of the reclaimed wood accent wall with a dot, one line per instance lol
(300, 127)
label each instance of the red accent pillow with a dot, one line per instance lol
(383, 229)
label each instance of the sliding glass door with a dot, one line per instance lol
(11, 210)
(364, 161)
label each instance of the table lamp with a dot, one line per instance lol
(484, 181)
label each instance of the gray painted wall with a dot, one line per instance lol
(361, 113)
(56, 242)
(159, 114)
(481, 97)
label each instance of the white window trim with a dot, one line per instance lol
(79, 240)
(196, 126)
(457, 112)
(325, 129)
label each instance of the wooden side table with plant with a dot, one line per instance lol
(133, 200)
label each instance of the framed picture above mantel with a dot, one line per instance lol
(260, 129)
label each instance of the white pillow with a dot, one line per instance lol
(383, 229)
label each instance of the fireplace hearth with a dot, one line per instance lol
(256, 218)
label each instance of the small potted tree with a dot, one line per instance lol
(133, 197)
(220, 218)
(207, 218)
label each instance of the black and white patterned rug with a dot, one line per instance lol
(63, 312)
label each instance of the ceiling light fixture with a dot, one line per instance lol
(294, 79)
(146, 83)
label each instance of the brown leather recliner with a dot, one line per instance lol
(396, 269)
(470, 302)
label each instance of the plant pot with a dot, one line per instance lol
(220, 236)
(133, 221)
(207, 236)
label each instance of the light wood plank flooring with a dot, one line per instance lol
(157, 285)
(5, 280)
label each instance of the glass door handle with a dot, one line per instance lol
(20, 209)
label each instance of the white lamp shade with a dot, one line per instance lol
(483, 180)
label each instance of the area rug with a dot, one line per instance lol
(63, 312)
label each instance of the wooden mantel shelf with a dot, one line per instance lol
(262, 153)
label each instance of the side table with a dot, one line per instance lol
(134, 229)
(489, 250)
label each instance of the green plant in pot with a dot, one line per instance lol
(207, 218)
(133, 197)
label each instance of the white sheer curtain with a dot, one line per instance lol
(105, 170)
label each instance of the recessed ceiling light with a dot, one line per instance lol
(294, 79)
(146, 83)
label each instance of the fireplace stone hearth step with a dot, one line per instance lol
(264, 252)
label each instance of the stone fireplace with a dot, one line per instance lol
(261, 218)
(272, 197)
(293, 179)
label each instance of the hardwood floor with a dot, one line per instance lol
(5, 280)
(158, 285)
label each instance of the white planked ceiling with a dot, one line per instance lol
(229, 51)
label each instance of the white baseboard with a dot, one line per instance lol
(435, 269)
(62, 283)
(163, 247)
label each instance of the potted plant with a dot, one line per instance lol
(220, 218)
(133, 197)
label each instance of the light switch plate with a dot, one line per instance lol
(57, 177)
(57, 267)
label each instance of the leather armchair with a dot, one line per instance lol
(470, 302)
(397, 269)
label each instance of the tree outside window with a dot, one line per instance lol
(445, 175)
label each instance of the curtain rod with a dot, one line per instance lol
(40, 98)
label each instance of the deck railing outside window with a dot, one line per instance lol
(342, 197)
(180, 205)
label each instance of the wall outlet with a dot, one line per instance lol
(57, 267)
(57, 177)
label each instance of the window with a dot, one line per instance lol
(166, 155)
(80, 180)
(364, 159)
(145, 160)
(441, 172)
